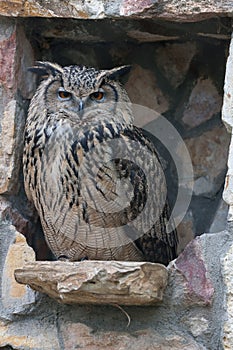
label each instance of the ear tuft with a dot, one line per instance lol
(44, 69)
(117, 72)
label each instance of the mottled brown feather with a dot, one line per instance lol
(92, 201)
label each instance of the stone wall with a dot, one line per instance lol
(185, 319)
(177, 70)
(172, 74)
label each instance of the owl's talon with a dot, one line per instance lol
(63, 258)
(84, 258)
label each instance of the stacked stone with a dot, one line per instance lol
(174, 77)
(192, 102)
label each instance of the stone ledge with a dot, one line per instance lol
(97, 282)
(186, 318)
(190, 10)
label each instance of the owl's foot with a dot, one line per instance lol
(84, 258)
(63, 258)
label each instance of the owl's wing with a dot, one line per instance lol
(156, 249)
(156, 236)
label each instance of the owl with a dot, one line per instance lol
(95, 180)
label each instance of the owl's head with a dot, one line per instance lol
(76, 89)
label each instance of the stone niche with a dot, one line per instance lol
(173, 73)
(178, 52)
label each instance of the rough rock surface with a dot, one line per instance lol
(186, 319)
(209, 153)
(174, 61)
(204, 102)
(11, 144)
(15, 252)
(185, 231)
(227, 118)
(197, 287)
(14, 60)
(228, 280)
(166, 9)
(220, 218)
(29, 319)
(81, 335)
(96, 282)
(143, 90)
(165, 76)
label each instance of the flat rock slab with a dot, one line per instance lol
(97, 282)
(188, 10)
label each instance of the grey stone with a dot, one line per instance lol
(197, 325)
(186, 319)
(81, 335)
(146, 37)
(203, 186)
(143, 90)
(227, 110)
(165, 9)
(204, 102)
(11, 146)
(185, 231)
(209, 153)
(174, 61)
(219, 222)
(25, 80)
(70, 326)
(15, 84)
(7, 27)
(15, 298)
(228, 279)
(227, 107)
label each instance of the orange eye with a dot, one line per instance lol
(97, 96)
(63, 94)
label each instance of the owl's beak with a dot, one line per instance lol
(81, 105)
